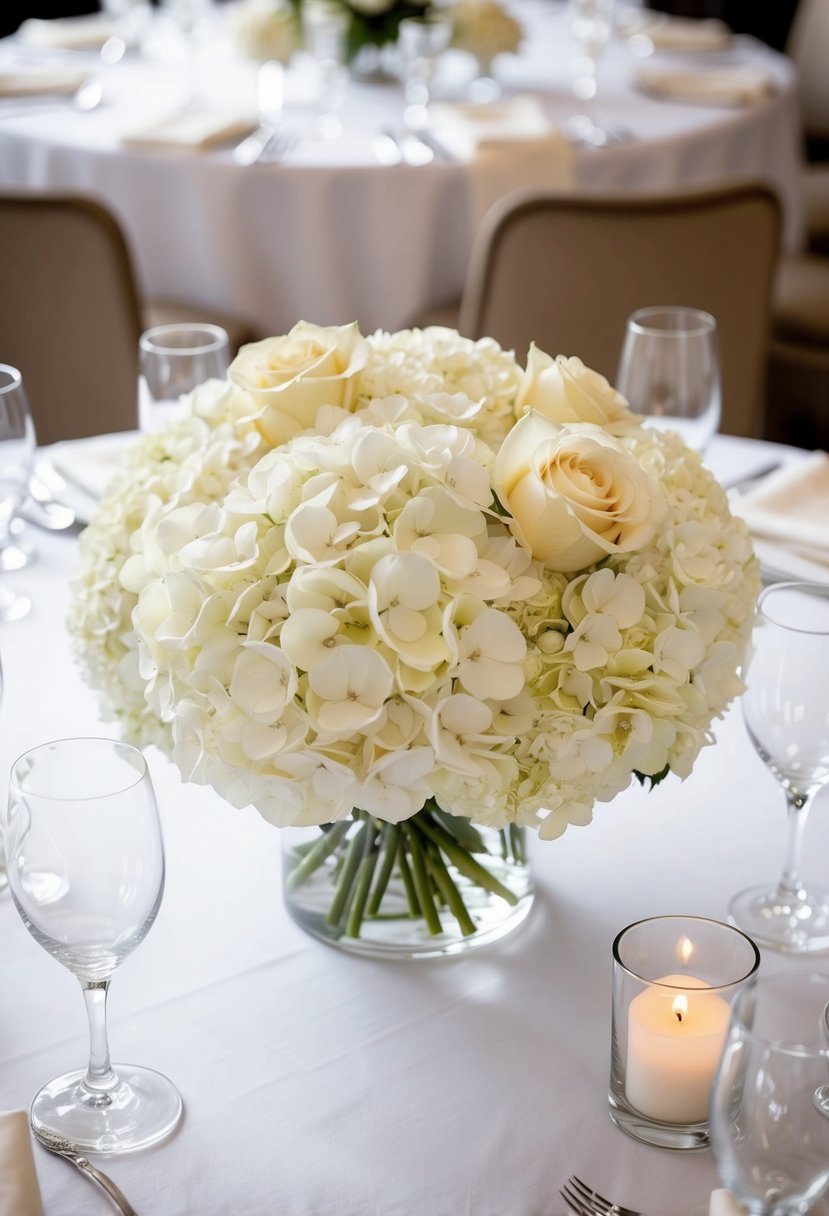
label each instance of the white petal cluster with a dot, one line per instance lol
(350, 618)
(484, 28)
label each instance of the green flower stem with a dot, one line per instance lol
(517, 844)
(389, 842)
(345, 882)
(408, 881)
(504, 845)
(462, 861)
(450, 892)
(421, 882)
(365, 874)
(314, 858)
(467, 836)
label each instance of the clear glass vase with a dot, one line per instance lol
(433, 885)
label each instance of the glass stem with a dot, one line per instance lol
(790, 886)
(100, 1078)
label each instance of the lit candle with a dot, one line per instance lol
(675, 1037)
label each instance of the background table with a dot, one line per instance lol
(333, 236)
(317, 1084)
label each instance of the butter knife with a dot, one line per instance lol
(66, 1149)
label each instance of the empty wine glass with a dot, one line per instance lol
(325, 33)
(786, 711)
(17, 449)
(769, 1133)
(173, 360)
(670, 371)
(591, 24)
(85, 863)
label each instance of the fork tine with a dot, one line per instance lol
(574, 1203)
(602, 1206)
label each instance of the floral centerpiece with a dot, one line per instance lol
(371, 24)
(407, 594)
(265, 29)
(484, 28)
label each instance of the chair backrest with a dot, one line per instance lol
(69, 313)
(567, 270)
(808, 45)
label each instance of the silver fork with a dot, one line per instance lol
(268, 142)
(584, 1201)
(66, 1149)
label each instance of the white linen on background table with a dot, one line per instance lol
(317, 1084)
(332, 236)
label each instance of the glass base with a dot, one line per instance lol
(685, 1136)
(796, 925)
(143, 1109)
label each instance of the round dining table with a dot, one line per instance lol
(329, 231)
(317, 1083)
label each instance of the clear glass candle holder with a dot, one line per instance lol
(674, 979)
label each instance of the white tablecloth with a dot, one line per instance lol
(330, 234)
(317, 1084)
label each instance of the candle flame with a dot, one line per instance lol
(680, 1007)
(686, 950)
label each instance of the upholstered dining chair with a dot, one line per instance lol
(71, 313)
(566, 270)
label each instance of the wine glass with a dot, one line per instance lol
(591, 24)
(85, 864)
(670, 371)
(769, 1131)
(325, 33)
(422, 40)
(786, 711)
(17, 449)
(173, 360)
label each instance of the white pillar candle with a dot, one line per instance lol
(675, 1037)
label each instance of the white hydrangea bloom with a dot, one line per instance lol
(349, 620)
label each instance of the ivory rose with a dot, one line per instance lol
(565, 390)
(575, 493)
(291, 377)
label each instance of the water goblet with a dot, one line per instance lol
(591, 25)
(786, 712)
(422, 40)
(85, 862)
(17, 449)
(769, 1132)
(670, 371)
(172, 361)
(325, 33)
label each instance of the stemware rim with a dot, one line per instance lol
(783, 1046)
(15, 378)
(148, 342)
(820, 589)
(706, 322)
(680, 916)
(141, 771)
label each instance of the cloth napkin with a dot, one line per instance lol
(33, 83)
(85, 467)
(190, 130)
(19, 1191)
(721, 86)
(508, 146)
(723, 1204)
(67, 34)
(791, 507)
(666, 33)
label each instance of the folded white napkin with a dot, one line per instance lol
(34, 82)
(84, 469)
(195, 130)
(667, 33)
(791, 507)
(67, 33)
(465, 129)
(723, 1204)
(19, 1191)
(722, 86)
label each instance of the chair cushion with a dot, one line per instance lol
(801, 299)
(172, 312)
